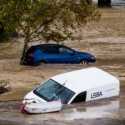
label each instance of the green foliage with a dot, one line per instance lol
(46, 19)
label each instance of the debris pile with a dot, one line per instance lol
(4, 86)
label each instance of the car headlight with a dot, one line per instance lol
(28, 101)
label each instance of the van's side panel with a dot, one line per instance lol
(103, 92)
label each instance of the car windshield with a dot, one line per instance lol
(51, 90)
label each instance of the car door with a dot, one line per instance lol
(51, 54)
(67, 55)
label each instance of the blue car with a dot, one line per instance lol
(54, 53)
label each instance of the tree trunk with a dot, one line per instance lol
(89, 1)
(26, 41)
(1, 28)
(22, 60)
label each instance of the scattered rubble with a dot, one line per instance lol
(4, 86)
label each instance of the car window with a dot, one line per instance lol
(51, 90)
(50, 49)
(80, 98)
(65, 50)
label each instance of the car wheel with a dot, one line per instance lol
(42, 62)
(84, 62)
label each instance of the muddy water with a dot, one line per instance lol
(106, 40)
(106, 111)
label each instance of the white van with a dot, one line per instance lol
(76, 86)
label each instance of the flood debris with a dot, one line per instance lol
(4, 86)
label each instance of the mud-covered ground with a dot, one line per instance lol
(105, 39)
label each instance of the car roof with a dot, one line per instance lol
(85, 79)
(46, 45)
